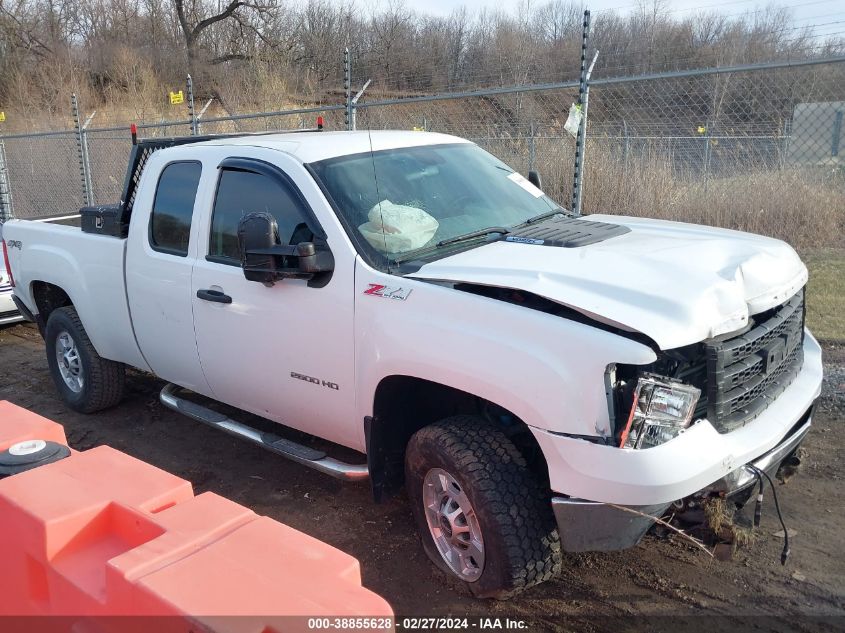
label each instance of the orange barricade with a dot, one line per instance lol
(103, 534)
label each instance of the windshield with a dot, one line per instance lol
(413, 198)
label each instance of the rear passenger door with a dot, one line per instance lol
(283, 351)
(160, 256)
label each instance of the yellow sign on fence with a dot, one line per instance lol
(2, 116)
(702, 129)
(176, 98)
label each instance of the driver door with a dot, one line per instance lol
(282, 351)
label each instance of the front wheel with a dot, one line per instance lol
(481, 515)
(86, 381)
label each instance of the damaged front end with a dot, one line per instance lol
(728, 381)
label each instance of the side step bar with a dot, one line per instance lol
(286, 448)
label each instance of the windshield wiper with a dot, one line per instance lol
(545, 216)
(452, 240)
(472, 234)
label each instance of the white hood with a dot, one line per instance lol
(676, 283)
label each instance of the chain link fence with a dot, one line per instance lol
(751, 147)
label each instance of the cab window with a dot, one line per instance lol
(242, 192)
(173, 207)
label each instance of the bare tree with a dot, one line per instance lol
(392, 30)
(194, 27)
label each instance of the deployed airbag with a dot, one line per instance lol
(397, 228)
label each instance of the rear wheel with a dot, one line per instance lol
(86, 381)
(481, 515)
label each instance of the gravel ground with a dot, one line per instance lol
(663, 576)
(833, 392)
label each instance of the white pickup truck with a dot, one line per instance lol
(538, 382)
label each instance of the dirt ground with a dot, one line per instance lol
(662, 576)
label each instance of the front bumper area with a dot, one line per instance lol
(744, 477)
(592, 526)
(687, 464)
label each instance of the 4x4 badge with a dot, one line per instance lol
(388, 292)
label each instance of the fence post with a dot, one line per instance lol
(579, 140)
(625, 147)
(532, 148)
(784, 149)
(86, 156)
(347, 87)
(191, 113)
(836, 135)
(5, 188)
(707, 150)
(81, 149)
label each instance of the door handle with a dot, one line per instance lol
(213, 295)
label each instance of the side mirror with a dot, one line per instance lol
(534, 179)
(265, 260)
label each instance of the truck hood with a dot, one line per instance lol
(673, 282)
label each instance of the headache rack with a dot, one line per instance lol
(745, 373)
(113, 219)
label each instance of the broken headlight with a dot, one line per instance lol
(661, 410)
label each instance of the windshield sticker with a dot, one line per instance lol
(387, 292)
(523, 182)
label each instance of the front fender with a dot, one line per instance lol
(545, 369)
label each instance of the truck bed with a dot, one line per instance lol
(89, 267)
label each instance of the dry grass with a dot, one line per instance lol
(720, 519)
(138, 93)
(803, 206)
(826, 293)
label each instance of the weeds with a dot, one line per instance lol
(721, 520)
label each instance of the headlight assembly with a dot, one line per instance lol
(661, 410)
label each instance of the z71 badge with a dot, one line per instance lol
(388, 292)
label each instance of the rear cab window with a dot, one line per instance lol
(173, 207)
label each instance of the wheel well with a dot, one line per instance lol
(405, 404)
(48, 297)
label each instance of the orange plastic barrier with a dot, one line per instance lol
(101, 534)
(18, 425)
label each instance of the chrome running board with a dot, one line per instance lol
(304, 455)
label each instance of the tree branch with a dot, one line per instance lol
(234, 5)
(25, 35)
(270, 43)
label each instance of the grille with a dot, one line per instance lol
(745, 373)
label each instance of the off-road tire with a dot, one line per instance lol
(521, 542)
(103, 379)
